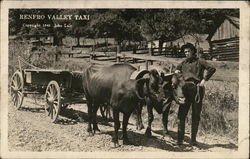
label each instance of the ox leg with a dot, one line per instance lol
(94, 111)
(139, 124)
(116, 126)
(165, 113)
(150, 120)
(165, 120)
(124, 129)
(183, 110)
(90, 118)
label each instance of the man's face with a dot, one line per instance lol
(188, 52)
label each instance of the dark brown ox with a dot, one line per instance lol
(186, 93)
(160, 109)
(112, 85)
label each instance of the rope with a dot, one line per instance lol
(197, 96)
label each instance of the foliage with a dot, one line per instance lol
(125, 24)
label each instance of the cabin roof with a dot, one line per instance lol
(233, 20)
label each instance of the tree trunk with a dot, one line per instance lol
(78, 41)
(106, 43)
(160, 46)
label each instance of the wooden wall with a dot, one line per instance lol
(226, 31)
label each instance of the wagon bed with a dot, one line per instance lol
(59, 87)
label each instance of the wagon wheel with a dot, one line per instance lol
(52, 100)
(105, 111)
(16, 89)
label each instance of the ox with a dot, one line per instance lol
(160, 109)
(184, 92)
(112, 84)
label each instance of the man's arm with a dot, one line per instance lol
(178, 68)
(208, 73)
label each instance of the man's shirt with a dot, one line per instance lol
(196, 69)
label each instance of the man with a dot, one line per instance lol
(196, 71)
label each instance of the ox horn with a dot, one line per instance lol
(138, 74)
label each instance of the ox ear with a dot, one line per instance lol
(141, 87)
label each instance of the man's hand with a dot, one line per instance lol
(202, 83)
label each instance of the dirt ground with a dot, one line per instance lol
(30, 130)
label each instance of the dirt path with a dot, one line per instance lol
(30, 130)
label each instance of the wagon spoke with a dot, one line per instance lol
(14, 82)
(18, 82)
(20, 94)
(55, 95)
(18, 101)
(54, 91)
(52, 113)
(48, 95)
(12, 96)
(50, 90)
(49, 107)
(15, 99)
(55, 108)
(52, 96)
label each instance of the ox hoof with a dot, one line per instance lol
(179, 143)
(165, 132)
(97, 130)
(127, 142)
(194, 143)
(140, 127)
(148, 132)
(116, 145)
(91, 133)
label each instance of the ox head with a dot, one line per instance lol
(181, 86)
(150, 87)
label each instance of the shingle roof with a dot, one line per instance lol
(234, 20)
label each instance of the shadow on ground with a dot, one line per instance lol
(203, 146)
(35, 110)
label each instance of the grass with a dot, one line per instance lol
(220, 110)
(219, 114)
(220, 104)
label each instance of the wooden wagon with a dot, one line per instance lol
(59, 87)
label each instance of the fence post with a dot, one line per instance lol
(151, 51)
(54, 58)
(146, 64)
(117, 52)
(171, 68)
(134, 50)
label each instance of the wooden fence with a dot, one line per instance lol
(228, 53)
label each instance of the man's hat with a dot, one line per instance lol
(188, 45)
